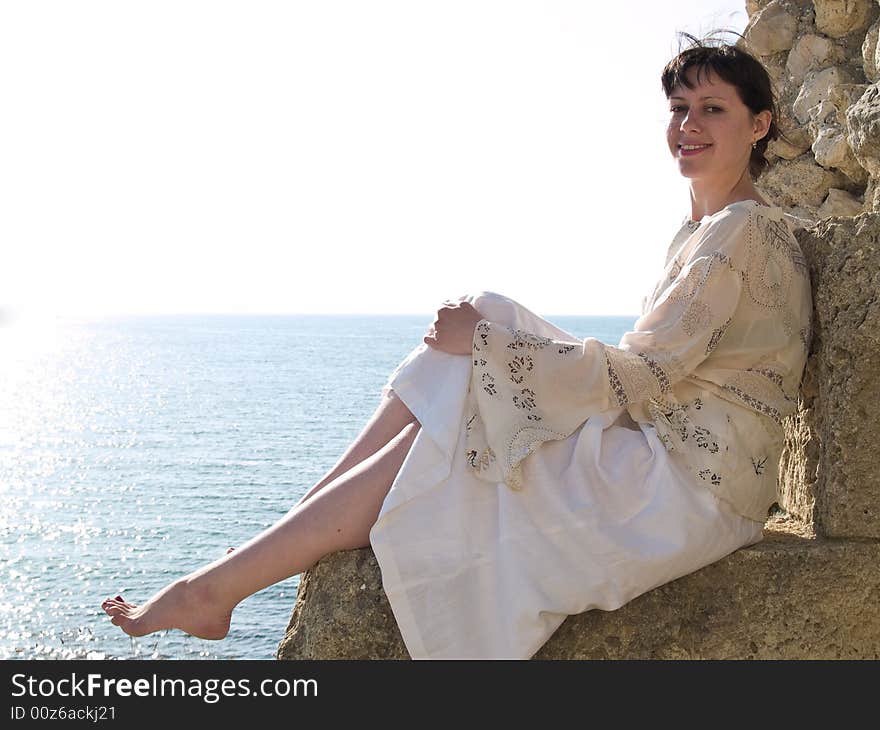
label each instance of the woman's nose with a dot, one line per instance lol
(689, 122)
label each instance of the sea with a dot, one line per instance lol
(134, 450)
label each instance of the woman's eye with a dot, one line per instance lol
(711, 109)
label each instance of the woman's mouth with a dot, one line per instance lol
(688, 150)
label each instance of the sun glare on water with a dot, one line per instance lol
(29, 347)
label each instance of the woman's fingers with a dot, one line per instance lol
(447, 317)
(431, 337)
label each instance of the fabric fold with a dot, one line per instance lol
(527, 389)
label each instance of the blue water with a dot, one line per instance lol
(134, 450)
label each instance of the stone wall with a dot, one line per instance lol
(829, 476)
(823, 58)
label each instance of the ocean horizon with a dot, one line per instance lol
(136, 448)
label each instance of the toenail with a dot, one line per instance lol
(118, 598)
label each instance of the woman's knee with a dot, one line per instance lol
(492, 305)
(408, 433)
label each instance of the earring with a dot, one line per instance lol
(755, 144)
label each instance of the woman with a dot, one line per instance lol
(646, 461)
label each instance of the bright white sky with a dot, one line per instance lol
(337, 156)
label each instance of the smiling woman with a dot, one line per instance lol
(514, 474)
(722, 117)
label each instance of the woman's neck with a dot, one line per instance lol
(707, 199)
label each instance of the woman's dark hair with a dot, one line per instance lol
(738, 68)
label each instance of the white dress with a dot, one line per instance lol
(553, 476)
(476, 570)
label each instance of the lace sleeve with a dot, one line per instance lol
(526, 389)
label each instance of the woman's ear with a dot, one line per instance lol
(762, 123)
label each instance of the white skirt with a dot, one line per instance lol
(476, 570)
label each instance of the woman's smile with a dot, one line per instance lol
(688, 150)
(710, 108)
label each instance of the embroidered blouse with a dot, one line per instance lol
(714, 364)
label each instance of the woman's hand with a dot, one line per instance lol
(453, 329)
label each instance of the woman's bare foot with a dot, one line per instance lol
(186, 604)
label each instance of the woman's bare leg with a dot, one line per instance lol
(337, 518)
(385, 423)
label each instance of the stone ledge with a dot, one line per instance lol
(791, 596)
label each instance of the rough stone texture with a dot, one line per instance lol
(775, 66)
(830, 479)
(838, 203)
(798, 467)
(794, 144)
(863, 130)
(843, 96)
(815, 90)
(869, 53)
(812, 53)
(342, 612)
(821, 115)
(831, 150)
(833, 54)
(791, 596)
(771, 29)
(837, 18)
(800, 181)
(872, 196)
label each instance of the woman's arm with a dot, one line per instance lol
(527, 389)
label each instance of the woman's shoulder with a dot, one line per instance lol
(734, 218)
(748, 209)
(724, 228)
(734, 232)
(754, 238)
(743, 219)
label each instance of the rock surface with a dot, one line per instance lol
(840, 203)
(791, 596)
(832, 58)
(863, 130)
(869, 53)
(342, 612)
(815, 90)
(800, 182)
(771, 29)
(837, 486)
(837, 18)
(812, 52)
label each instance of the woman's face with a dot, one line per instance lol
(710, 130)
